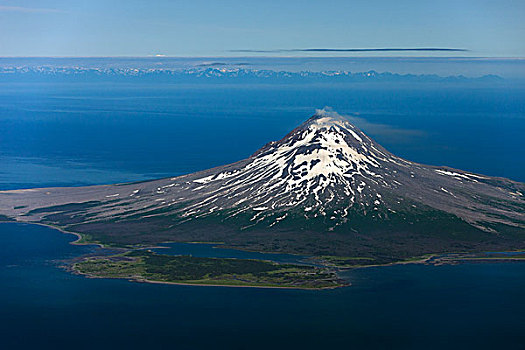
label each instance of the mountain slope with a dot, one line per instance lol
(326, 187)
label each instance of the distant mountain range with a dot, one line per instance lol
(326, 188)
(216, 74)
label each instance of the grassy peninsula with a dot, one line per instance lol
(147, 266)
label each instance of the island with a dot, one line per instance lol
(148, 266)
(326, 191)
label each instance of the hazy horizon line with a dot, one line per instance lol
(384, 49)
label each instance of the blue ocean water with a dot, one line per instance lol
(42, 306)
(80, 134)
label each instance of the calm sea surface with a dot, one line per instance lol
(471, 306)
(79, 134)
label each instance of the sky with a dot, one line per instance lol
(219, 28)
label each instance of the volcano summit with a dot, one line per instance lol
(326, 188)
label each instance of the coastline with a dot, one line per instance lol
(145, 280)
(232, 285)
(79, 236)
(436, 259)
(418, 261)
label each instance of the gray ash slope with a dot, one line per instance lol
(326, 187)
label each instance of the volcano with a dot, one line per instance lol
(325, 188)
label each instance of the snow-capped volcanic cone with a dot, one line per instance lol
(326, 186)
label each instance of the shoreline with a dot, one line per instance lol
(422, 260)
(145, 280)
(64, 231)
(232, 285)
(419, 261)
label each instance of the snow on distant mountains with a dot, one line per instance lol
(235, 74)
(325, 170)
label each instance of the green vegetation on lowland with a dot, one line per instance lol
(493, 258)
(401, 237)
(144, 265)
(480, 258)
(343, 262)
(381, 237)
